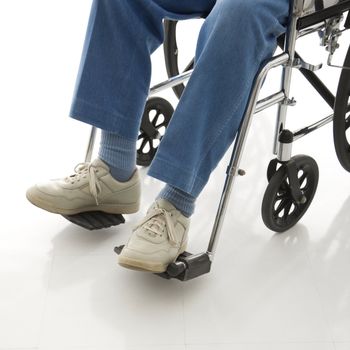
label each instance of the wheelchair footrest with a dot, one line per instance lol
(186, 267)
(95, 220)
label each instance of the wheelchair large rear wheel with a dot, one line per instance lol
(171, 55)
(279, 209)
(341, 123)
(155, 120)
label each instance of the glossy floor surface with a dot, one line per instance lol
(60, 285)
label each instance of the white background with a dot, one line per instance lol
(60, 286)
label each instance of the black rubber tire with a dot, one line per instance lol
(171, 55)
(278, 192)
(341, 121)
(150, 127)
(272, 168)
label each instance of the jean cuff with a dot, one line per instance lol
(111, 121)
(174, 175)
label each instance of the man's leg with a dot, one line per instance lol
(236, 37)
(115, 71)
(111, 91)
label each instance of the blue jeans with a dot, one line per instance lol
(114, 76)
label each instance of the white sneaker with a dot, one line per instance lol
(157, 240)
(91, 188)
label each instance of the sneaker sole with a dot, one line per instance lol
(139, 265)
(108, 208)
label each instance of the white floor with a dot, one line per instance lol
(60, 285)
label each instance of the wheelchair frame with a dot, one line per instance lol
(188, 265)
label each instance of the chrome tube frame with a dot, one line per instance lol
(177, 80)
(233, 168)
(308, 129)
(290, 42)
(269, 101)
(312, 29)
(91, 143)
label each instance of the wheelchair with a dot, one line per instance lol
(292, 180)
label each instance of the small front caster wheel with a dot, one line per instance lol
(155, 120)
(280, 211)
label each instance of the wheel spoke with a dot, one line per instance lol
(155, 119)
(287, 209)
(151, 145)
(144, 143)
(161, 124)
(141, 136)
(281, 206)
(347, 123)
(302, 178)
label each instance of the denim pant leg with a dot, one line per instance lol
(114, 76)
(234, 41)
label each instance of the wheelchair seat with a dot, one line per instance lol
(311, 6)
(314, 11)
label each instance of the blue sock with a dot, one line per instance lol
(181, 200)
(119, 153)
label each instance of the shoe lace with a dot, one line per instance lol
(87, 170)
(154, 222)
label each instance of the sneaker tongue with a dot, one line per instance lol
(100, 163)
(165, 204)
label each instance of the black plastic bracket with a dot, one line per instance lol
(292, 174)
(187, 266)
(286, 136)
(95, 220)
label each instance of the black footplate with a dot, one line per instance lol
(186, 267)
(95, 220)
